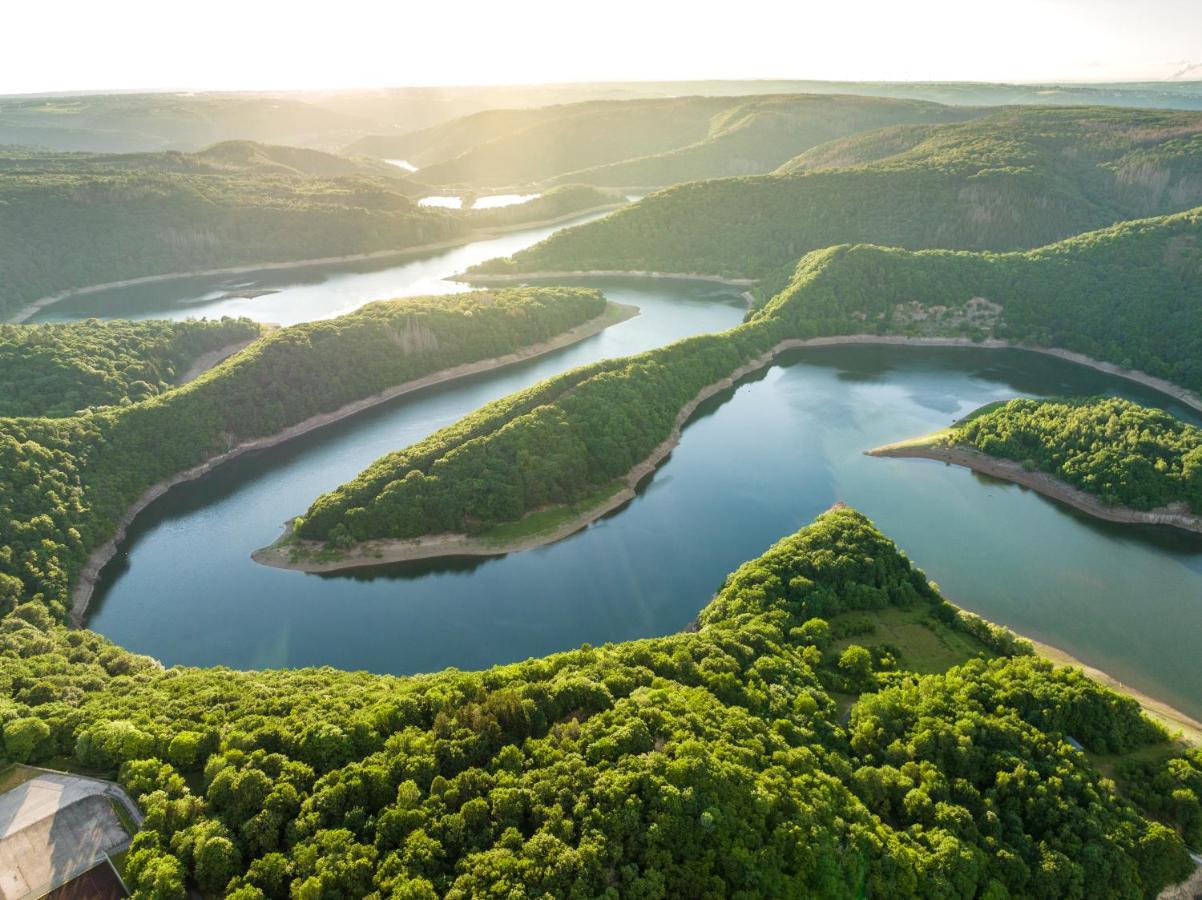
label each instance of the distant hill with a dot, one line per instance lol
(226, 158)
(1018, 178)
(126, 122)
(74, 220)
(641, 143)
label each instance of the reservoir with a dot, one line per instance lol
(756, 463)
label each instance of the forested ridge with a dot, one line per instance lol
(69, 480)
(644, 142)
(58, 369)
(1129, 295)
(705, 764)
(60, 231)
(1126, 454)
(1015, 179)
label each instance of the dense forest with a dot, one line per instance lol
(69, 480)
(1129, 294)
(1124, 453)
(1016, 179)
(703, 764)
(642, 143)
(59, 369)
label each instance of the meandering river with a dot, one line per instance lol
(755, 464)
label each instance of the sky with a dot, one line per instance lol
(268, 45)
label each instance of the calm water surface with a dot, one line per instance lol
(755, 464)
(298, 294)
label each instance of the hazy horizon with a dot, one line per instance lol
(272, 47)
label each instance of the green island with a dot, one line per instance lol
(236, 206)
(1011, 180)
(58, 369)
(1109, 457)
(827, 690)
(76, 481)
(1106, 295)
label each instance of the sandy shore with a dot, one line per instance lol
(1041, 482)
(381, 552)
(480, 234)
(1173, 719)
(99, 557)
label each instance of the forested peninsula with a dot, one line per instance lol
(1108, 294)
(1107, 456)
(831, 728)
(73, 480)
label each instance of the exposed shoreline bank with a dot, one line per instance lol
(1041, 483)
(81, 594)
(32, 308)
(508, 278)
(385, 551)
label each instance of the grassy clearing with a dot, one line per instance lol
(545, 521)
(927, 646)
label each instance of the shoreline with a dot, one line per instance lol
(1169, 716)
(384, 551)
(81, 593)
(1040, 482)
(507, 278)
(31, 309)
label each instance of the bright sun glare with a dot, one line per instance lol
(232, 44)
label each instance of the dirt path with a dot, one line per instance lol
(1042, 483)
(98, 558)
(206, 361)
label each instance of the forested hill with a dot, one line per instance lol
(225, 158)
(1016, 179)
(68, 481)
(642, 143)
(59, 369)
(1121, 452)
(711, 763)
(66, 230)
(1129, 295)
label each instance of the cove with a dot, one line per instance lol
(755, 463)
